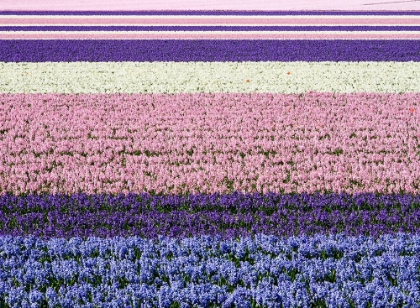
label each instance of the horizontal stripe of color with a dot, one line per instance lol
(208, 50)
(214, 13)
(192, 5)
(205, 35)
(210, 20)
(259, 271)
(228, 216)
(209, 77)
(209, 28)
(363, 142)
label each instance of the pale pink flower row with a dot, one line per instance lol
(209, 143)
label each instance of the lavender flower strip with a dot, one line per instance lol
(227, 216)
(262, 271)
(214, 12)
(208, 50)
(210, 28)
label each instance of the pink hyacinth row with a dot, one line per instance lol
(135, 5)
(209, 143)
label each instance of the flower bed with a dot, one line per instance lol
(209, 159)
(209, 272)
(228, 216)
(208, 143)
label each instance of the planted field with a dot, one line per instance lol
(209, 159)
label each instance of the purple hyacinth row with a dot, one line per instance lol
(266, 271)
(208, 50)
(228, 216)
(215, 13)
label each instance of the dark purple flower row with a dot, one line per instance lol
(212, 12)
(229, 216)
(208, 50)
(210, 28)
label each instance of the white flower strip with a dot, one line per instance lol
(209, 35)
(209, 77)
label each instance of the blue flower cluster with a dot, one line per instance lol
(260, 271)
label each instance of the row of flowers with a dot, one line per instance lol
(208, 50)
(228, 216)
(262, 271)
(214, 77)
(209, 143)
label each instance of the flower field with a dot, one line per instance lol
(210, 159)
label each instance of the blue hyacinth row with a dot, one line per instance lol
(264, 271)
